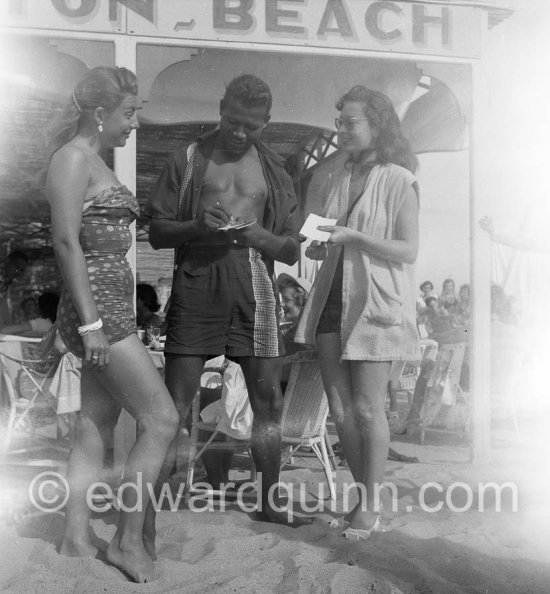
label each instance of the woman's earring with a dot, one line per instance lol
(100, 127)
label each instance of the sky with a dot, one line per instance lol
(518, 79)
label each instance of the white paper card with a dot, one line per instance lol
(310, 230)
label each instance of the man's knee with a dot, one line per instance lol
(267, 402)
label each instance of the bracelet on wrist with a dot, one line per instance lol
(83, 330)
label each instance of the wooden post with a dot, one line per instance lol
(480, 270)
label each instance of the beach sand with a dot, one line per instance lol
(446, 551)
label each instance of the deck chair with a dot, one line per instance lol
(305, 412)
(403, 376)
(27, 405)
(443, 393)
(405, 373)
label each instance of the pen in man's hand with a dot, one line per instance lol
(231, 217)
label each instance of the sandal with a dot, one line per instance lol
(360, 534)
(340, 523)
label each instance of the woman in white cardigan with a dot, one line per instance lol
(361, 310)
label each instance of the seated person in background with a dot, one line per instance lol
(501, 306)
(293, 292)
(47, 309)
(426, 290)
(147, 304)
(463, 307)
(442, 326)
(28, 310)
(448, 300)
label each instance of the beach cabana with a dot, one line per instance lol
(426, 55)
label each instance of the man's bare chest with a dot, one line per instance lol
(237, 186)
(242, 177)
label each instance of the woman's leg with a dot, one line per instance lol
(182, 379)
(369, 384)
(132, 379)
(98, 416)
(338, 387)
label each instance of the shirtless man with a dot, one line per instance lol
(224, 298)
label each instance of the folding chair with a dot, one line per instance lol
(26, 402)
(403, 378)
(198, 447)
(443, 392)
(405, 373)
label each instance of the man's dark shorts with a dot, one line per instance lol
(223, 302)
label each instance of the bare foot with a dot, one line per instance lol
(78, 548)
(132, 559)
(281, 517)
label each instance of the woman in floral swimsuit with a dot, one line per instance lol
(91, 213)
(105, 238)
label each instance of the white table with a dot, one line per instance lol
(15, 338)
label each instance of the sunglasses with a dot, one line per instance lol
(348, 123)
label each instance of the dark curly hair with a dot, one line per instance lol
(427, 283)
(249, 90)
(390, 144)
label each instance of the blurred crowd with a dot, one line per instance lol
(446, 317)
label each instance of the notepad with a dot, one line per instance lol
(238, 223)
(310, 230)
